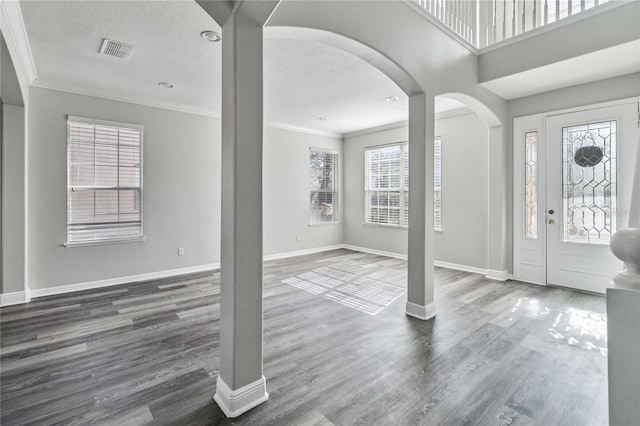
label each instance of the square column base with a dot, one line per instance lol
(233, 403)
(419, 311)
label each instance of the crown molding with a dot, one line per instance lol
(156, 103)
(376, 129)
(285, 126)
(123, 97)
(454, 113)
(15, 34)
(405, 123)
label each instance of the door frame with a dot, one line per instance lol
(530, 254)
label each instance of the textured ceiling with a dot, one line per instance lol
(303, 80)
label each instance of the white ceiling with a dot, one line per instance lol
(303, 80)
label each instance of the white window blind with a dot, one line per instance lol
(104, 182)
(437, 184)
(387, 185)
(323, 183)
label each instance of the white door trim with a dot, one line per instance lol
(526, 251)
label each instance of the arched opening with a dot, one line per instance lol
(490, 217)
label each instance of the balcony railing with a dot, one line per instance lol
(486, 22)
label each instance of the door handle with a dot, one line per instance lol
(551, 222)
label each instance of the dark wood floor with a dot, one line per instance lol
(497, 353)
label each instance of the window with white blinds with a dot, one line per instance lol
(104, 181)
(323, 184)
(437, 184)
(387, 185)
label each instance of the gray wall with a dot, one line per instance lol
(286, 192)
(181, 192)
(610, 89)
(13, 198)
(464, 187)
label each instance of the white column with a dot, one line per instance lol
(623, 325)
(499, 246)
(241, 384)
(420, 299)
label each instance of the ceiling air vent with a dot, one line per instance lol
(116, 49)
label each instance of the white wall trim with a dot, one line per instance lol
(157, 103)
(421, 312)
(302, 252)
(236, 402)
(454, 113)
(123, 97)
(374, 251)
(18, 44)
(16, 298)
(438, 116)
(309, 131)
(377, 129)
(503, 275)
(121, 280)
(459, 267)
(25, 296)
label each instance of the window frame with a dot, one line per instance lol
(335, 190)
(98, 122)
(404, 150)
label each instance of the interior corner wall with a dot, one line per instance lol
(13, 198)
(464, 239)
(181, 171)
(285, 186)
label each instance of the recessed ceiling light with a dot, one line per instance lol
(166, 85)
(211, 36)
(391, 98)
(321, 119)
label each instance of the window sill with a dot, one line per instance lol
(337, 222)
(385, 225)
(103, 242)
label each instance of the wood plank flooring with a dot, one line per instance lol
(147, 353)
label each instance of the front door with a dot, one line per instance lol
(590, 160)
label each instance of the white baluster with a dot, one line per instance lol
(546, 12)
(524, 17)
(513, 19)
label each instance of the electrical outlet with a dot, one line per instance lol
(298, 237)
(180, 251)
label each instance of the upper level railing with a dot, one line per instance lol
(486, 22)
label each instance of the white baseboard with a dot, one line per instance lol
(121, 280)
(459, 267)
(236, 402)
(503, 275)
(374, 251)
(302, 252)
(419, 311)
(15, 298)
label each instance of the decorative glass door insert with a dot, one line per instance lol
(589, 182)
